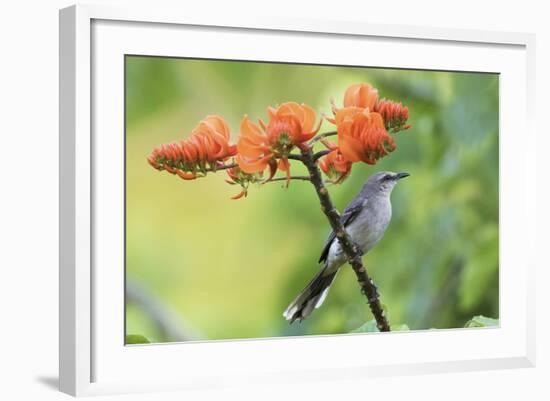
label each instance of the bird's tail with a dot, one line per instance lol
(311, 297)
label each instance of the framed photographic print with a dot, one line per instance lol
(219, 177)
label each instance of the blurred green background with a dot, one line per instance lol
(202, 266)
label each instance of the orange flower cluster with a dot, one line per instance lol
(259, 146)
(363, 126)
(207, 148)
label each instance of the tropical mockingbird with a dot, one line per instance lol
(365, 220)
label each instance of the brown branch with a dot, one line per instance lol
(320, 154)
(350, 249)
(293, 156)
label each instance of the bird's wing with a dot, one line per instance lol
(349, 214)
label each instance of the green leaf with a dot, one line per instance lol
(399, 327)
(136, 339)
(370, 327)
(482, 321)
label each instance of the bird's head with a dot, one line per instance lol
(383, 182)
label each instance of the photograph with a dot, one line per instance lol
(269, 199)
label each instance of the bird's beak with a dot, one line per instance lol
(401, 175)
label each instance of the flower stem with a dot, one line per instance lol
(294, 177)
(322, 136)
(368, 288)
(224, 167)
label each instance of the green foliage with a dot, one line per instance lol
(370, 327)
(476, 321)
(482, 321)
(136, 339)
(229, 268)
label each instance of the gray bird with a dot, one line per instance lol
(365, 219)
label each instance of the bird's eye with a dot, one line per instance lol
(387, 177)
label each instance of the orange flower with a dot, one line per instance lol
(290, 124)
(213, 134)
(357, 96)
(346, 113)
(207, 146)
(361, 95)
(395, 115)
(254, 152)
(334, 165)
(258, 147)
(362, 136)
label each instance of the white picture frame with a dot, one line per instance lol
(93, 358)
